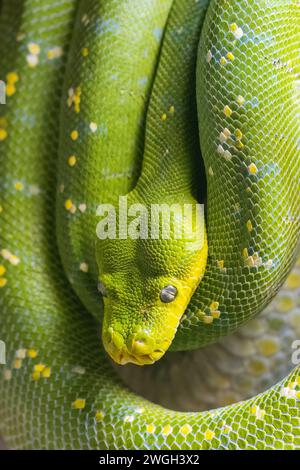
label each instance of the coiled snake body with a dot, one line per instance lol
(123, 74)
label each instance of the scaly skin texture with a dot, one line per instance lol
(58, 390)
(248, 259)
(138, 326)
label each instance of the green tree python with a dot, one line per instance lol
(107, 98)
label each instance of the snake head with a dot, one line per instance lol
(147, 285)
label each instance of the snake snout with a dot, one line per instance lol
(139, 348)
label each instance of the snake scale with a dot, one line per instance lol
(104, 98)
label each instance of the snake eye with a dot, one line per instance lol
(102, 289)
(168, 294)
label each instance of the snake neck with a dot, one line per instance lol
(148, 281)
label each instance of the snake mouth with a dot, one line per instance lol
(124, 356)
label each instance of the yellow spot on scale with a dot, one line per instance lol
(12, 78)
(68, 204)
(79, 370)
(224, 135)
(209, 435)
(21, 353)
(10, 89)
(186, 429)
(167, 430)
(285, 304)
(84, 267)
(236, 31)
(268, 347)
(100, 415)
(223, 61)
(220, 148)
(50, 54)
(172, 110)
(19, 186)
(72, 160)
(252, 261)
(46, 374)
(294, 320)
(221, 265)
(216, 314)
(55, 53)
(249, 226)
(17, 363)
(82, 207)
(76, 98)
(164, 117)
(230, 56)
(79, 404)
(2, 270)
(74, 135)
(128, 419)
(238, 133)
(257, 367)
(5, 253)
(150, 428)
(227, 111)
(34, 48)
(93, 126)
(257, 411)
(252, 169)
(227, 155)
(36, 376)
(3, 122)
(20, 36)
(3, 134)
(32, 60)
(240, 100)
(39, 367)
(208, 319)
(84, 51)
(32, 353)
(85, 19)
(3, 282)
(214, 305)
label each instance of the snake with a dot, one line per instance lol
(153, 102)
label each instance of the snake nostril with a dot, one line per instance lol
(139, 348)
